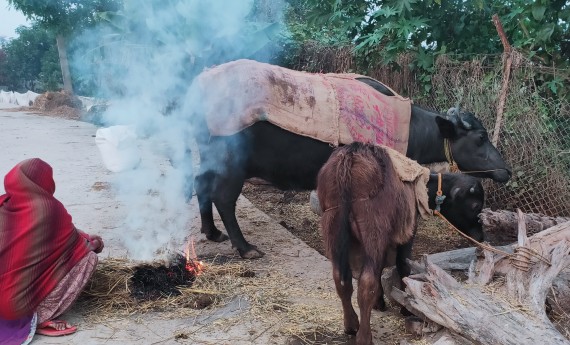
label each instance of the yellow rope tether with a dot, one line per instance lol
(522, 255)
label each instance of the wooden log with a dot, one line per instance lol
(559, 297)
(509, 311)
(500, 226)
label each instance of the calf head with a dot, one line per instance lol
(471, 148)
(464, 198)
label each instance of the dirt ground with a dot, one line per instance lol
(291, 210)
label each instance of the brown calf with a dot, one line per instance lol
(368, 213)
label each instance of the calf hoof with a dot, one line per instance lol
(251, 253)
(351, 331)
(405, 312)
(364, 339)
(351, 327)
(380, 304)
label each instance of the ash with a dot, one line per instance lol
(151, 282)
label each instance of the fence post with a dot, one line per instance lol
(506, 77)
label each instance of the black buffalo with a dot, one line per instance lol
(291, 161)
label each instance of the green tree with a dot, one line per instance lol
(64, 17)
(24, 57)
(385, 28)
(3, 75)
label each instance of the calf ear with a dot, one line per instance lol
(446, 127)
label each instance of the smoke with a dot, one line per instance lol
(143, 61)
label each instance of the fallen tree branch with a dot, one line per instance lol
(508, 310)
(500, 226)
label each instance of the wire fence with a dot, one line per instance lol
(534, 132)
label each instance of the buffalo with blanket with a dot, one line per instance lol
(371, 197)
(252, 119)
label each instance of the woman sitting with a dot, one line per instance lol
(45, 261)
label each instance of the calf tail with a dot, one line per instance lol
(344, 185)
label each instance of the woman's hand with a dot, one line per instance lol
(96, 244)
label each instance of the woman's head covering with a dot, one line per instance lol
(38, 241)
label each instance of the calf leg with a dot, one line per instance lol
(389, 259)
(344, 291)
(380, 302)
(403, 253)
(369, 288)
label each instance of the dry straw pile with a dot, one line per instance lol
(279, 304)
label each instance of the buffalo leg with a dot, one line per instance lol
(227, 189)
(369, 288)
(204, 185)
(344, 291)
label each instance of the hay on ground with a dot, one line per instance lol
(59, 104)
(273, 299)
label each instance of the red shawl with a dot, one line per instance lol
(38, 242)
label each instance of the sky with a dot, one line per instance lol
(10, 19)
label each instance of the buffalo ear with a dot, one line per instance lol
(446, 127)
(454, 192)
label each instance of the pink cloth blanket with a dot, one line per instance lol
(334, 108)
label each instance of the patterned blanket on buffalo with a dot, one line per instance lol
(333, 108)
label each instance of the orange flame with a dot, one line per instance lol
(192, 264)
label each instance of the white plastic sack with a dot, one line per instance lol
(17, 98)
(118, 147)
(6, 97)
(25, 99)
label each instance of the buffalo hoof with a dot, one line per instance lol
(216, 236)
(251, 253)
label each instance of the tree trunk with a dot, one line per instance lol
(62, 50)
(509, 310)
(500, 226)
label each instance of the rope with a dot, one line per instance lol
(520, 259)
(453, 166)
(479, 171)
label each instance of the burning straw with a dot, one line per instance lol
(117, 288)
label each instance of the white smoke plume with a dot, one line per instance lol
(143, 61)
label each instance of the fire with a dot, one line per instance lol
(193, 265)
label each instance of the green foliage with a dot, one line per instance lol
(24, 62)
(303, 28)
(382, 30)
(50, 75)
(64, 16)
